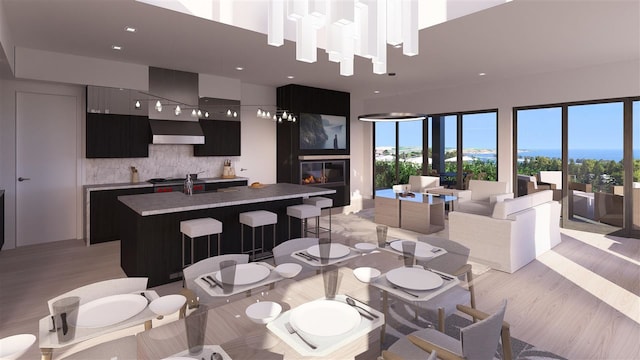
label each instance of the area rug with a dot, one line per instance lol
(402, 323)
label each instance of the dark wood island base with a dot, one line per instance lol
(151, 242)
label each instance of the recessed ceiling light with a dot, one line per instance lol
(116, 47)
(290, 77)
(482, 74)
(376, 92)
(130, 29)
(239, 68)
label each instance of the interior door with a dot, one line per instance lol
(46, 162)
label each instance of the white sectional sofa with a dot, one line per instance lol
(515, 233)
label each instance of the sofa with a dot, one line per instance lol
(481, 196)
(513, 234)
(528, 184)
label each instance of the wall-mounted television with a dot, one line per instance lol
(323, 134)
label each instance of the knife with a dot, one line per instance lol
(445, 277)
(306, 256)
(215, 281)
(207, 281)
(405, 291)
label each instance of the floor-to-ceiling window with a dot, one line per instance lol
(398, 152)
(479, 145)
(385, 163)
(578, 150)
(636, 164)
(539, 150)
(595, 140)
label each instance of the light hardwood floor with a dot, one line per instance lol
(581, 300)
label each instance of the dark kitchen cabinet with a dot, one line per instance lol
(103, 215)
(117, 136)
(222, 138)
(213, 186)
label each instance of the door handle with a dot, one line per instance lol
(23, 179)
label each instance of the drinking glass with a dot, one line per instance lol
(324, 247)
(381, 231)
(331, 278)
(196, 326)
(65, 315)
(409, 251)
(228, 275)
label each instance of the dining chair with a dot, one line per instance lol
(454, 262)
(103, 289)
(478, 341)
(282, 252)
(191, 273)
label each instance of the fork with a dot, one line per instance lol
(291, 330)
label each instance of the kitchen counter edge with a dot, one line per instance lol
(144, 184)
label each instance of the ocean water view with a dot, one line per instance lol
(595, 154)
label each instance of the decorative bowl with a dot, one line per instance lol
(288, 270)
(13, 347)
(167, 305)
(366, 274)
(263, 312)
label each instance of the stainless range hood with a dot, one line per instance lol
(173, 88)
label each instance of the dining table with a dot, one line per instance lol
(229, 327)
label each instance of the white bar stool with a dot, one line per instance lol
(321, 203)
(200, 227)
(304, 212)
(254, 219)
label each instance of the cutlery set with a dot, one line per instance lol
(307, 256)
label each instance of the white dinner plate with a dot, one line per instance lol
(167, 304)
(414, 278)
(423, 250)
(325, 318)
(336, 251)
(247, 274)
(365, 247)
(110, 310)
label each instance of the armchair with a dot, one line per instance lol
(529, 184)
(480, 339)
(481, 196)
(422, 184)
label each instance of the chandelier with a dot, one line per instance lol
(349, 27)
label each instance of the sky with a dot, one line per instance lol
(597, 126)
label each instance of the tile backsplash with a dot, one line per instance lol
(164, 161)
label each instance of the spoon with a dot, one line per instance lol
(216, 356)
(351, 302)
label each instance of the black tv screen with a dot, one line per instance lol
(323, 132)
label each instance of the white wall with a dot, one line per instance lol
(7, 46)
(591, 83)
(258, 143)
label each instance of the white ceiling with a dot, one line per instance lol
(518, 38)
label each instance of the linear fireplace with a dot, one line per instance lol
(322, 172)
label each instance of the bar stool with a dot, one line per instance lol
(200, 227)
(254, 219)
(304, 212)
(321, 203)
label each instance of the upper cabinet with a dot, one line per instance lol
(116, 127)
(221, 128)
(117, 136)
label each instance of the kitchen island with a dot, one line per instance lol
(150, 224)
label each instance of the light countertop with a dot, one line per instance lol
(171, 202)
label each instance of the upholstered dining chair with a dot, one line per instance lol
(282, 252)
(454, 262)
(478, 341)
(190, 274)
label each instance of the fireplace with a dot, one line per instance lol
(322, 172)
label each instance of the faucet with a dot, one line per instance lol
(188, 185)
